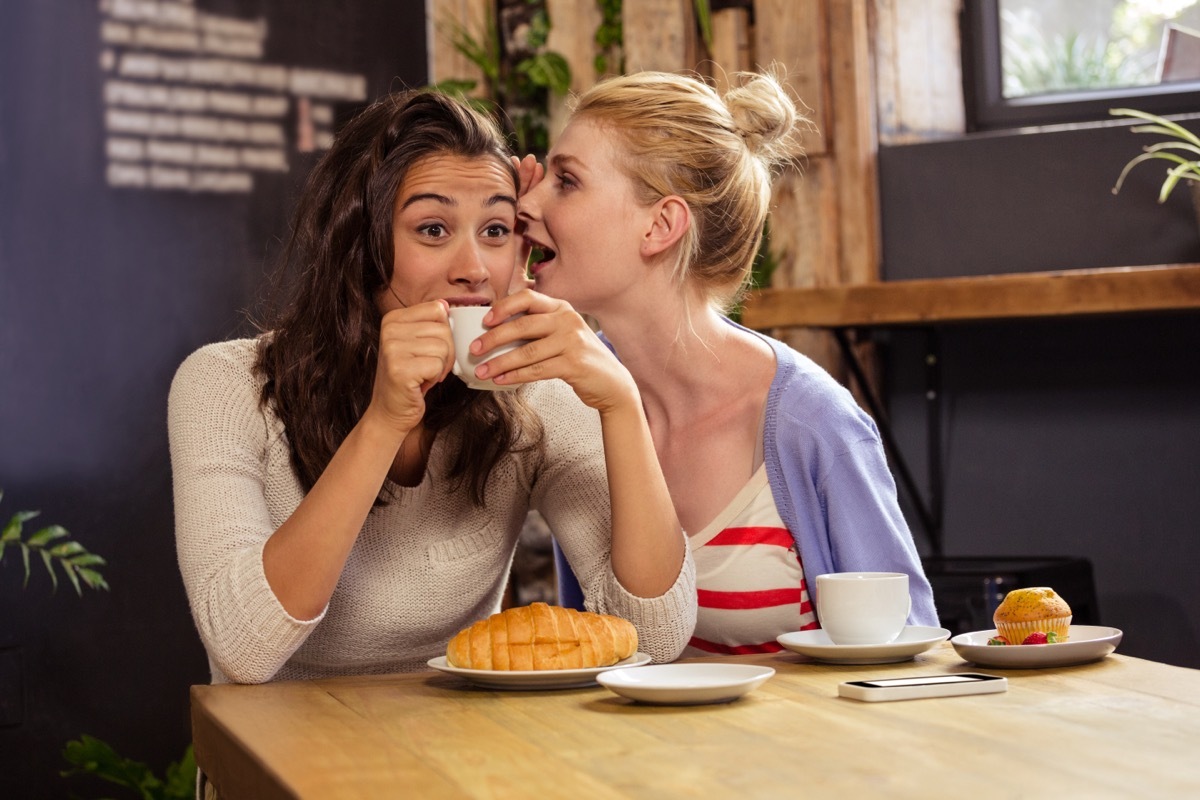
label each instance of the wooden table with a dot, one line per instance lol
(1120, 727)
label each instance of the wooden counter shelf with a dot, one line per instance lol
(934, 303)
(1114, 290)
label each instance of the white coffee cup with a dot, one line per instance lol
(863, 608)
(466, 325)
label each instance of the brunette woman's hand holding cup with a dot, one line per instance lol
(415, 352)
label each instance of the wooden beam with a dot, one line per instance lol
(573, 36)
(918, 69)
(794, 34)
(1115, 290)
(731, 50)
(659, 35)
(853, 141)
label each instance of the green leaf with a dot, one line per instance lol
(12, 531)
(93, 579)
(549, 70)
(1184, 168)
(67, 549)
(94, 757)
(181, 777)
(70, 573)
(484, 54)
(704, 17)
(25, 559)
(87, 560)
(1161, 124)
(48, 560)
(46, 535)
(539, 29)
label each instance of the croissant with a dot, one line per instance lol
(540, 636)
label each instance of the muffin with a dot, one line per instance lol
(1026, 611)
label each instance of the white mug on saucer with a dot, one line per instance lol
(466, 325)
(863, 608)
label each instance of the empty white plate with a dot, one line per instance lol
(685, 684)
(912, 640)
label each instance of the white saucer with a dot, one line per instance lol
(1084, 643)
(534, 678)
(685, 684)
(816, 644)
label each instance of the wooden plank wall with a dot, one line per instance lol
(825, 220)
(444, 61)
(918, 65)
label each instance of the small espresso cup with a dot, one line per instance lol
(466, 325)
(863, 608)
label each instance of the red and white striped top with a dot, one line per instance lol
(748, 577)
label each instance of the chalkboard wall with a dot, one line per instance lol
(106, 285)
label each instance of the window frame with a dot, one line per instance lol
(988, 109)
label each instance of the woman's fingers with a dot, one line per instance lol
(415, 352)
(529, 172)
(554, 342)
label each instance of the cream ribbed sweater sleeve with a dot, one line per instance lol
(220, 443)
(571, 492)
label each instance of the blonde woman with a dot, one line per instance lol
(648, 218)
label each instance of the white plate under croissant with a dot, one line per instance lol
(535, 678)
(540, 646)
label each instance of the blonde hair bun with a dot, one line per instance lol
(765, 116)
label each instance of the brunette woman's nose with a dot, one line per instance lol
(469, 267)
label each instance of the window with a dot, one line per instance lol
(1035, 62)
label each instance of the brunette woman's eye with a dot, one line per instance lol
(434, 230)
(497, 231)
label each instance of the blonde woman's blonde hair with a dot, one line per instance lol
(677, 136)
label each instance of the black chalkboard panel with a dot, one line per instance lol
(149, 156)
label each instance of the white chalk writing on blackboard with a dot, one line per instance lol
(191, 106)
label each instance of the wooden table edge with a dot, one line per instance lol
(1064, 293)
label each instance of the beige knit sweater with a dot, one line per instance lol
(423, 567)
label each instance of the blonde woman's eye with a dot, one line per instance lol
(565, 181)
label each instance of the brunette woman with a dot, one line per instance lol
(344, 504)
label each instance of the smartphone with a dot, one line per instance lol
(926, 686)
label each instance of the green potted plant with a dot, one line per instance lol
(55, 547)
(1180, 150)
(52, 544)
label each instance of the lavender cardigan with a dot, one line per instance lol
(831, 483)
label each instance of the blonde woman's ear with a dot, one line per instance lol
(669, 221)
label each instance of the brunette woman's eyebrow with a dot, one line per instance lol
(437, 198)
(450, 201)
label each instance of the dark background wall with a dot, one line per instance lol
(1060, 438)
(103, 292)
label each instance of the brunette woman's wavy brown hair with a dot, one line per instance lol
(320, 350)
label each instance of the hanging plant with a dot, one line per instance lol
(52, 544)
(519, 76)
